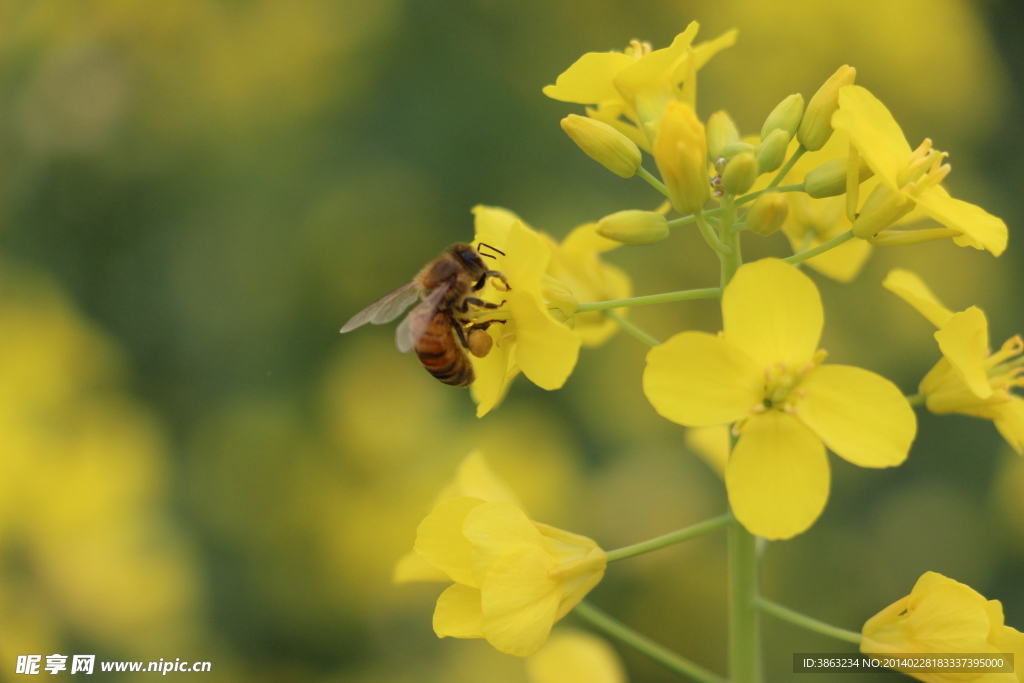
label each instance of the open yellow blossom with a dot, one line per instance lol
(944, 616)
(531, 339)
(632, 88)
(969, 379)
(765, 374)
(572, 656)
(514, 578)
(909, 179)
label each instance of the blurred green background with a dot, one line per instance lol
(194, 195)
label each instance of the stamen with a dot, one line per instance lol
(502, 338)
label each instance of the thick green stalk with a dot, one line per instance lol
(668, 539)
(662, 655)
(744, 618)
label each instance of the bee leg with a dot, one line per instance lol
(491, 273)
(459, 331)
(479, 303)
(484, 325)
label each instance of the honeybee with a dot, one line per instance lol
(446, 285)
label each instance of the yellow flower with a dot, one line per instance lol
(514, 578)
(909, 179)
(680, 150)
(530, 340)
(764, 373)
(944, 616)
(637, 84)
(969, 379)
(572, 656)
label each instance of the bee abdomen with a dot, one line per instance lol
(441, 354)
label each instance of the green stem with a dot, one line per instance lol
(820, 249)
(655, 183)
(788, 167)
(809, 623)
(683, 295)
(632, 329)
(744, 619)
(917, 399)
(679, 536)
(662, 655)
(709, 235)
(754, 195)
(685, 220)
(730, 261)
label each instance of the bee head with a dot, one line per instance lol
(471, 257)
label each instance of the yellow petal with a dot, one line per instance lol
(520, 601)
(964, 342)
(873, 131)
(476, 479)
(977, 227)
(412, 567)
(862, 417)
(584, 240)
(777, 476)
(492, 223)
(546, 350)
(589, 79)
(1010, 423)
(1012, 640)
(657, 69)
(912, 289)
(572, 656)
(699, 380)
(842, 263)
(496, 528)
(492, 373)
(773, 312)
(703, 52)
(440, 541)
(458, 613)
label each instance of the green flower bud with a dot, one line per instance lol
(829, 179)
(816, 126)
(603, 144)
(767, 213)
(772, 150)
(634, 227)
(740, 173)
(734, 148)
(786, 116)
(721, 131)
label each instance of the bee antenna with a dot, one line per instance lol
(483, 244)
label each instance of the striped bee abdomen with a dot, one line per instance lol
(441, 354)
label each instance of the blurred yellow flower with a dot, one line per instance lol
(530, 340)
(765, 374)
(944, 616)
(909, 179)
(711, 444)
(572, 656)
(514, 578)
(637, 84)
(969, 379)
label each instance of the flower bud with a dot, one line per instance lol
(772, 150)
(680, 150)
(721, 132)
(767, 214)
(634, 227)
(786, 116)
(816, 126)
(829, 179)
(740, 173)
(734, 148)
(603, 144)
(883, 207)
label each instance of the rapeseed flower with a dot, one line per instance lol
(572, 656)
(514, 578)
(944, 616)
(969, 379)
(632, 88)
(764, 373)
(909, 179)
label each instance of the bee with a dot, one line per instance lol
(440, 327)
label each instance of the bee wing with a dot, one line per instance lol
(384, 309)
(416, 323)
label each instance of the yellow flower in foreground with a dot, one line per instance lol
(909, 179)
(514, 578)
(969, 379)
(638, 83)
(572, 656)
(764, 373)
(944, 616)
(531, 339)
